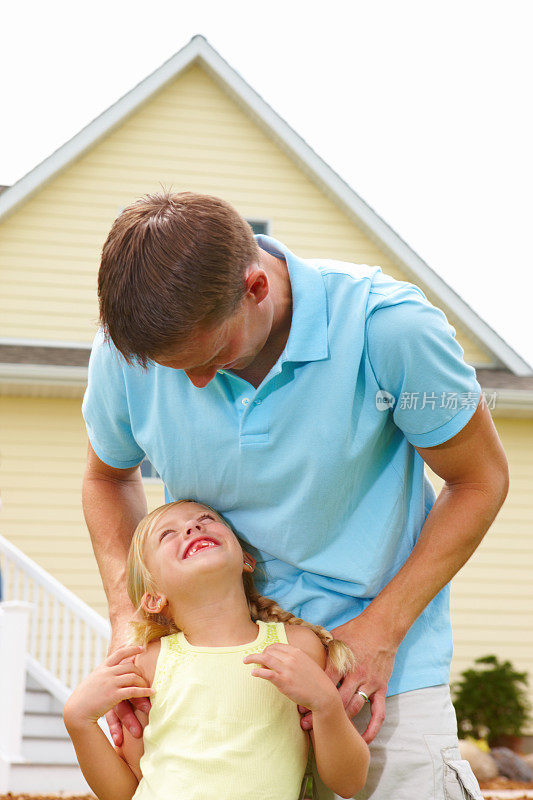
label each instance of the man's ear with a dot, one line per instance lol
(248, 561)
(153, 603)
(256, 282)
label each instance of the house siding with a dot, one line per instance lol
(50, 247)
(43, 446)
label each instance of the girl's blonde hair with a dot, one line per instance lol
(149, 626)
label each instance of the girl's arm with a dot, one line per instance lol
(108, 775)
(297, 670)
(341, 754)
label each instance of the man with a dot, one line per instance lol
(301, 399)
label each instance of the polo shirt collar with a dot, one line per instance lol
(308, 336)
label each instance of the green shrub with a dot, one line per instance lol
(490, 701)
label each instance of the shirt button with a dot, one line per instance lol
(245, 401)
(258, 402)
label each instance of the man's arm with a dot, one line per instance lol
(114, 503)
(474, 468)
(476, 474)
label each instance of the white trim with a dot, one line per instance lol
(510, 402)
(44, 343)
(49, 374)
(483, 364)
(199, 49)
(42, 380)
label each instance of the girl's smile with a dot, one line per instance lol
(198, 544)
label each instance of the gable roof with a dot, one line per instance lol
(200, 51)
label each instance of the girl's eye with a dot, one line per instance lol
(202, 516)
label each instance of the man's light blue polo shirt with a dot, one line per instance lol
(315, 469)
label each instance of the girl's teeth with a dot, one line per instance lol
(201, 546)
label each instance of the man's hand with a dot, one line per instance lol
(123, 713)
(375, 654)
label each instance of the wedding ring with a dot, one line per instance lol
(363, 695)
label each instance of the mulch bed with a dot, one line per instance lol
(496, 783)
(502, 783)
(10, 796)
(515, 797)
(497, 797)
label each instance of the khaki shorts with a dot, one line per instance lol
(415, 755)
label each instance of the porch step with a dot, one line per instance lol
(33, 778)
(48, 749)
(42, 723)
(39, 700)
(50, 765)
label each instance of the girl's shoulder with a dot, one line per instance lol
(146, 661)
(307, 640)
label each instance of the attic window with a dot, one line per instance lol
(148, 471)
(259, 226)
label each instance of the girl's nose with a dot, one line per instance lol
(193, 526)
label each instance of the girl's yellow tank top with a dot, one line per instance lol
(217, 732)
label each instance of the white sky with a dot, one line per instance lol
(423, 107)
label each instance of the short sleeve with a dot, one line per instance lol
(105, 408)
(419, 367)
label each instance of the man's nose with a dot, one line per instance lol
(201, 379)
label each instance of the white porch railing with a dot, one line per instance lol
(67, 639)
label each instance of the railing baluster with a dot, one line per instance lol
(26, 589)
(44, 629)
(75, 660)
(87, 651)
(54, 643)
(64, 647)
(16, 577)
(8, 577)
(34, 615)
(98, 658)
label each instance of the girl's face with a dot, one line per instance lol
(191, 548)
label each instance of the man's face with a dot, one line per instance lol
(233, 344)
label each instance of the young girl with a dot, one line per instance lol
(225, 669)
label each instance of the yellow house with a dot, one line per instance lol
(196, 124)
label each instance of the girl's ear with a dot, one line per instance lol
(248, 561)
(153, 603)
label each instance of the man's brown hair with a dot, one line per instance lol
(172, 263)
